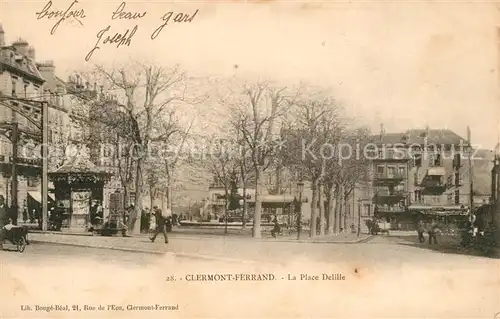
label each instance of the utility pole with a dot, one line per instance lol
(13, 188)
(471, 174)
(45, 166)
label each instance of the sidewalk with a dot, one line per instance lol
(179, 241)
(132, 244)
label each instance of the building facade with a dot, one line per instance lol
(430, 171)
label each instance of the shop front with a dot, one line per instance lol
(79, 188)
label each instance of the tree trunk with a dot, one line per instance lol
(331, 208)
(321, 210)
(126, 196)
(258, 204)
(314, 206)
(338, 208)
(169, 190)
(346, 198)
(244, 205)
(151, 195)
(133, 225)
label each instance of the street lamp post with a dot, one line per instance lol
(300, 188)
(45, 163)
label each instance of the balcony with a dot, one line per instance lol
(388, 179)
(389, 198)
(391, 156)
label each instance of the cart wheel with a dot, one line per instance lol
(21, 245)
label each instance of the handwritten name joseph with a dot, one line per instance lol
(107, 36)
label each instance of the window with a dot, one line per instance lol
(380, 170)
(402, 171)
(415, 179)
(457, 197)
(390, 171)
(25, 90)
(14, 85)
(418, 196)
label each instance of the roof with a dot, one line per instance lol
(25, 65)
(434, 136)
(388, 138)
(418, 136)
(79, 164)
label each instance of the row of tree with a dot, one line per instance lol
(295, 130)
(252, 129)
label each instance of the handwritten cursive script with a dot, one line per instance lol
(179, 18)
(118, 38)
(120, 14)
(70, 12)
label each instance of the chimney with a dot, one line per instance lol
(2, 36)
(21, 47)
(32, 53)
(47, 69)
(382, 131)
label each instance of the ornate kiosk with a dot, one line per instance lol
(78, 183)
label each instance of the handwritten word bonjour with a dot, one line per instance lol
(70, 12)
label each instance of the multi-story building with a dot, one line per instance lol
(425, 171)
(20, 80)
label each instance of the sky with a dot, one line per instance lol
(405, 64)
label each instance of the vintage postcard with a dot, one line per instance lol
(249, 159)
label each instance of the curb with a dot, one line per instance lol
(144, 251)
(179, 255)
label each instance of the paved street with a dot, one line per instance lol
(391, 274)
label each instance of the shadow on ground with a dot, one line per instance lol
(449, 245)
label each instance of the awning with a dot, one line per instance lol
(38, 196)
(437, 208)
(277, 199)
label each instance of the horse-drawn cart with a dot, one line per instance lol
(17, 235)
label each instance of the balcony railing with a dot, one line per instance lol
(394, 176)
(21, 160)
(389, 209)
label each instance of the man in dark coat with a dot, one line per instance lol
(160, 225)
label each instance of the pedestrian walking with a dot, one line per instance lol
(421, 230)
(160, 225)
(433, 230)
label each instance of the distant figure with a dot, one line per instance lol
(276, 229)
(433, 230)
(421, 230)
(25, 212)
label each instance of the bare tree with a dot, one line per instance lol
(255, 113)
(146, 97)
(311, 139)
